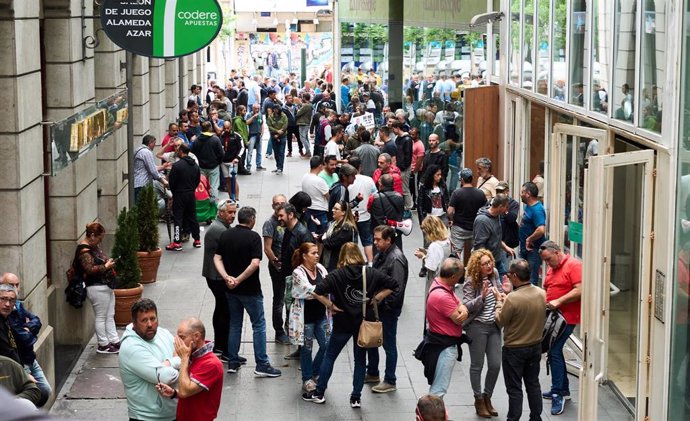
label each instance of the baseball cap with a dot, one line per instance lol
(465, 174)
(502, 186)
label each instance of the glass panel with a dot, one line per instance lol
(559, 75)
(535, 164)
(497, 48)
(543, 62)
(528, 46)
(514, 41)
(624, 60)
(576, 63)
(653, 63)
(600, 67)
(679, 379)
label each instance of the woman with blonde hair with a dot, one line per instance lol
(341, 230)
(437, 235)
(345, 287)
(482, 285)
(308, 319)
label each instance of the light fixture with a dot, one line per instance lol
(316, 21)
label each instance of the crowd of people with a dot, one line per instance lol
(335, 250)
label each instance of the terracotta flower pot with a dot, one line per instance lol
(148, 263)
(124, 299)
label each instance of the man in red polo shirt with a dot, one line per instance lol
(201, 374)
(562, 285)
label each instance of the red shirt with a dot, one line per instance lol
(561, 281)
(207, 372)
(397, 178)
(441, 303)
(417, 152)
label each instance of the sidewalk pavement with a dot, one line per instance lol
(94, 389)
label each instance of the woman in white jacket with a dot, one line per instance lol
(308, 317)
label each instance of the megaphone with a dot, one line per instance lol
(404, 226)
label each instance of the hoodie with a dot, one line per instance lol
(184, 175)
(141, 366)
(208, 150)
(487, 232)
(345, 287)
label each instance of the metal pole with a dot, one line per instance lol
(336, 57)
(129, 77)
(303, 65)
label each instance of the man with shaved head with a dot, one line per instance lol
(200, 383)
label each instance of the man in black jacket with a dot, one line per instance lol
(391, 261)
(403, 157)
(509, 224)
(184, 178)
(209, 151)
(386, 207)
(233, 147)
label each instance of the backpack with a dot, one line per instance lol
(554, 326)
(75, 293)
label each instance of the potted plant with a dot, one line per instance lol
(149, 254)
(129, 288)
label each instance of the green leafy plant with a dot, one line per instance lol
(125, 250)
(147, 219)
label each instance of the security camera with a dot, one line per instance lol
(485, 18)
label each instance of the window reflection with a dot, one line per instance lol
(514, 41)
(543, 63)
(653, 63)
(624, 60)
(558, 72)
(600, 32)
(528, 46)
(576, 64)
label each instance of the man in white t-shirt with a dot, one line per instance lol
(317, 189)
(333, 145)
(365, 186)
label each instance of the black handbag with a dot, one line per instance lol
(75, 293)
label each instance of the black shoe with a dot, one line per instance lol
(233, 367)
(423, 272)
(244, 173)
(243, 361)
(314, 396)
(355, 402)
(224, 358)
(266, 371)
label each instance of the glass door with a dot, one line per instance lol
(616, 250)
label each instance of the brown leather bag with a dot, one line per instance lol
(370, 333)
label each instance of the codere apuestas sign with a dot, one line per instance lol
(161, 28)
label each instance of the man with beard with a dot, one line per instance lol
(147, 360)
(200, 383)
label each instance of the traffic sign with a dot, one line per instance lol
(162, 28)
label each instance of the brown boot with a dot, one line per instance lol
(480, 406)
(489, 407)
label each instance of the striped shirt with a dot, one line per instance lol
(488, 314)
(144, 167)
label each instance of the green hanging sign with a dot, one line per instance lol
(161, 28)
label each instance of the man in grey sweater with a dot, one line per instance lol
(487, 231)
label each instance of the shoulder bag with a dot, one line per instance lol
(370, 333)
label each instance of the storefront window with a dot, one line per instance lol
(537, 128)
(600, 66)
(528, 46)
(679, 381)
(559, 76)
(624, 60)
(496, 27)
(514, 41)
(576, 63)
(653, 63)
(541, 72)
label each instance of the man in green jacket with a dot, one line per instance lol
(17, 382)
(277, 127)
(239, 126)
(146, 359)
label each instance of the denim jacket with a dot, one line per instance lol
(19, 319)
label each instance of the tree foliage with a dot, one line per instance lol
(125, 249)
(147, 219)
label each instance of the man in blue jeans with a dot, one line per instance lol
(563, 290)
(237, 261)
(532, 229)
(255, 126)
(391, 261)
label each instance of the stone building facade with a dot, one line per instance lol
(49, 73)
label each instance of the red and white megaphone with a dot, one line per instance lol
(404, 226)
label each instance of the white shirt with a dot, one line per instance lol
(317, 189)
(332, 149)
(365, 185)
(437, 252)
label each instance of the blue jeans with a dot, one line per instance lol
(322, 216)
(559, 374)
(335, 345)
(534, 261)
(37, 372)
(444, 371)
(269, 148)
(279, 151)
(310, 368)
(254, 305)
(389, 318)
(500, 266)
(254, 143)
